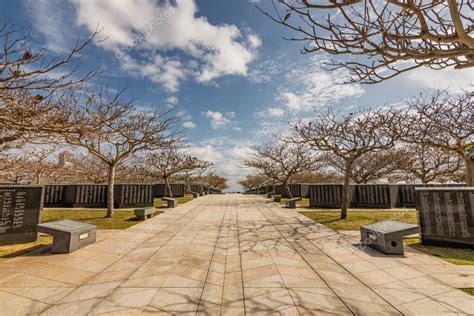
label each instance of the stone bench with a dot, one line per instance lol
(68, 235)
(144, 213)
(277, 198)
(291, 203)
(195, 195)
(387, 236)
(172, 203)
(270, 195)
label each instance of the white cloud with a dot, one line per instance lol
(184, 115)
(272, 112)
(292, 101)
(240, 152)
(146, 26)
(311, 87)
(60, 35)
(206, 152)
(254, 41)
(189, 124)
(452, 79)
(173, 100)
(305, 86)
(217, 118)
(167, 72)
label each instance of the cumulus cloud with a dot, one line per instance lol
(272, 112)
(304, 86)
(206, 152)
(58, 33)
(452, 79)
(189, 124)
(211, 51)
(254, 41)
(173, 100)
(311, 87)
(217, 118)
(165, 71)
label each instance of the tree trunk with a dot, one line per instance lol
(168, 188)
(345, 189)
(469, 171)
(38, 178)
(287, 189)
(188, 185)
(110, 191)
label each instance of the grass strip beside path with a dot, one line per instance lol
(359, 218)
(122, 219)
(456, 256)
(356, 219)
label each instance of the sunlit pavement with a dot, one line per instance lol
(233, 255)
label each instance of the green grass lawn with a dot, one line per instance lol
(358, 218)
(182, 200)
(303, 203)
(454, 255)
(122, 218)
(469, 291)
(19, 249)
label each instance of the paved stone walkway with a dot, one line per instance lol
(227, 254)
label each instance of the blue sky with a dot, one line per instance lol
(221, 65)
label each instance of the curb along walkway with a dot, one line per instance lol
(230, 255)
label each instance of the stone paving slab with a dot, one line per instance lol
(227, 255)
(457, 276)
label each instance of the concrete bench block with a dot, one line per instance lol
(291, 203)
(387, 236)
(144, 213)
(68, 235)
(172, 203)
(195, 195)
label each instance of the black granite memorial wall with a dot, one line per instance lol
(270, 188)
(376, 195)
(195, 188)
(133, 195)
(407, 193)
(446, 216)
(177, 189)
(20, 213)
(296, 189)
(54, 195)
(86, 195)
(328, 195)
(278, 189)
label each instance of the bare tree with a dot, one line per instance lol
(189, 175)
(31, 86)
(171, 162)
(11, 169)
(444, 122)
(214, 181)
(113, 130)
(350, 137)
(320, 176)
(386, 38)
(87, 168)
(281, 161)
(253, 181)
(369, 167)
(429, 164)
(37, 162)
